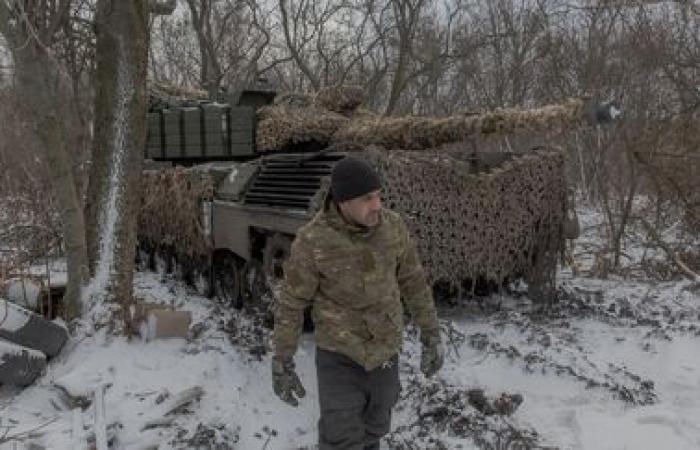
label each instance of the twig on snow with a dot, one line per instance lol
(27, 433)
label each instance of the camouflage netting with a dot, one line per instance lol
(333, 118)
(414, 133)
(491, 227)
(482, 227)
(284, 126)
(295, 120)
(171, 209)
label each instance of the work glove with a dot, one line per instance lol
(432, 354)
(285, 381)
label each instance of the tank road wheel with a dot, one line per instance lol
(227, 279)
(275, 253)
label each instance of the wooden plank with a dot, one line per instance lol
(100, 426)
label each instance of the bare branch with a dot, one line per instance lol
(295, 50)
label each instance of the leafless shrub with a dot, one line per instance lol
(29, 225)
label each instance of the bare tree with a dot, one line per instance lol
(211, 71)
(120, 133)
(218, 43)
(298, 33)
(407, 14)
(31, 29)
(174, 52)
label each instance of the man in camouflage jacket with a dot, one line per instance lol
(353, 263)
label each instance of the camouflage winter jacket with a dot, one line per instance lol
(354, 278)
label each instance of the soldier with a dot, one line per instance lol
(353, 263)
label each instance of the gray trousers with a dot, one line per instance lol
(355, 403)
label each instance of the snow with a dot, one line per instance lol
(613, 365)
(232, 176)
(238, 401)
(8, 348)
(12, 317)
(111, 210)
(23, 292)
(54, 268)
(615, 112)
(77, 431)
(570, 415)
(100, 424)
(147, 329)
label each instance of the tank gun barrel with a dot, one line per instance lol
(605, 112)
(429, 132)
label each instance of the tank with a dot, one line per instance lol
(227, 184)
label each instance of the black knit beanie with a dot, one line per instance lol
(352, 178)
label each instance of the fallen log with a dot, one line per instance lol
(100, 425)
(159, 417)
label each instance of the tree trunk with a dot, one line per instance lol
(45, 102)
(120, 133)
(407, 15)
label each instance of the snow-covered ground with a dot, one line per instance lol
(615, 364)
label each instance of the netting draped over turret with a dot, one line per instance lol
(414, 133)
(285, 126)
(491, 226)
(295, 121)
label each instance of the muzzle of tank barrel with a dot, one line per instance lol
(598, 112)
